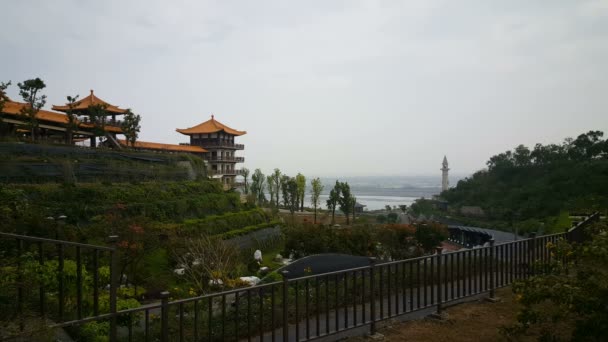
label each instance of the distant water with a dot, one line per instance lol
(375, 192)
(370, 201)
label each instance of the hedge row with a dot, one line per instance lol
(219, 224)
(249, 229)
(159, 201)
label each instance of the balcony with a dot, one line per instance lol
(233, 172)
(227, 159)
(220, 144)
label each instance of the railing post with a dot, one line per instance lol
(285, 305)
(372, 288)
(492, 297)
(439, 313)
(532, 251)
(113, 286)
(439, 292)
(164, 316)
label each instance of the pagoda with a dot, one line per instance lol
(92, 106)
(218, 140)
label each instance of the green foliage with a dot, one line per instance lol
(245, 174)
(541, 182)
(3, 99)
(131, 126)
(567, 300)
(301, 182)
(422, 206)
(257, 186)
(26, 204)
(381, 218)
(346, 200)
(398, 241)
(29, 91)
(218, 224)
(392, 218)
(308, 239)
(315, 192)
(430, 234)
(291, 196)
(332, 201)
(249, 229)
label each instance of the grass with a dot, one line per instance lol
(473, 321)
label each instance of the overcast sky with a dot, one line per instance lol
(328, 88)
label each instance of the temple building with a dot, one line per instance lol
(96, 111)
(52, 126)
(218, 140)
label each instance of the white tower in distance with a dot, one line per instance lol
(445, 183)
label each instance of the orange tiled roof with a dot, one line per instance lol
(91, 100)
(14, 108)
(210, 126)
(164, 147)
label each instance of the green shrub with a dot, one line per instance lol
(249, 229)
(218, 224)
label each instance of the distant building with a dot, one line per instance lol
(359, 207)
(445, 183)
(218, 140)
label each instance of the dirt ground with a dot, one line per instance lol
(473, 321)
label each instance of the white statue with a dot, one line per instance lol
(257, 255)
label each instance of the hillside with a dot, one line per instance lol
(539, 182)
(40, 163)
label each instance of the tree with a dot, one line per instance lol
(97, 113)
(245, 174)
(72, 123)
(301, 182)
(566, 300)
(315, 194)
(3, 99)
(392, 218)
(345, 200)
(387, 207)
(522, 156)
(293, 195)
(332, 201)
(285, 190)
(29, 91)
(276, 179)
(430, 235)
(257, 186)
(271, 189)
(403, 208)
(130, 127)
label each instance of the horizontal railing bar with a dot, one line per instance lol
(82, 321)
(331, 273)
(61, 242)
(219, 294)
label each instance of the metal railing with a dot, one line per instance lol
(29, 256)
(225, 144)
(228, 159)
(314, 306)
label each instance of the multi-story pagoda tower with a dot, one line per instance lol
(218, 140)
(445, 183)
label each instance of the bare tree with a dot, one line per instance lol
(207, 258)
